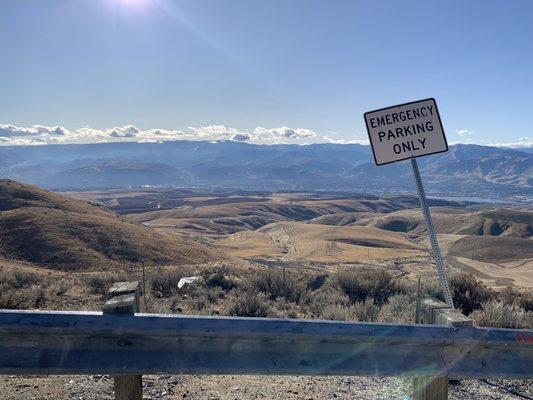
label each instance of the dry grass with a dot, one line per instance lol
(21, 289)
(164, 282)
(400, 308)
(468, 293)
(276, 283)
(20, 278)
(249, 304)
(523, 300)
(217, 277)
(297, 241)
(349, 295)
(100, 283)
(498, 314)
(365, 311)
(320, 299)
(361, 285)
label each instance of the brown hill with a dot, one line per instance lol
(298, 241)
(498, 222)
(492, 248)
(344, 219)
(49, 229)
(225, 217)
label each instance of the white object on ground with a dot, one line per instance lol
(187, 279)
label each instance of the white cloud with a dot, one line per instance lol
(40, 134)
(8, 130)
(212, 132)
(11, 135)
(465, 136)
(283, 134)
(523, 142)
(464, 132)
(127, 131)
(355, 140)
(241, 137)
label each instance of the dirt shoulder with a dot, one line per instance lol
(195, 387)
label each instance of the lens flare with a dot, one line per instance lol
(132, 3)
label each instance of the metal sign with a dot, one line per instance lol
(404, 131)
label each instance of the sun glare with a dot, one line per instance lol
(132, 3)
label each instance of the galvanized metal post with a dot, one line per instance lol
(432, 234)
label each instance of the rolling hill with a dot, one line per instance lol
(492, 249)
(298, 241)
(53, 230)
(324, 230)
(214, 215)
(458, 221)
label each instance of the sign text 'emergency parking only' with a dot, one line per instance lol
(405, 131)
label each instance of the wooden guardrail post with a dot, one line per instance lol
(437, 313)
(125, 299)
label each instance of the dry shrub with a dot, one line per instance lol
(278, 283)
(201, 299)
(400, 309)
(19, 278)
(316, 282)
(100, 283)
(200, 304)
(156, 306)
(337, 312)
(21, 289)
(365, 311)
(525, 300)
(216, 276)
(497, 314)
(360, 285)
(521, 299)
(468, 293)
(249, 304)
(22, 298)
(164, 283)
(61, 287)
(39, 296)
(11, 298)
(430, 289)
(283, 309)
(320, 299)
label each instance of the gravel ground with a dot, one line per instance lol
(194, 387)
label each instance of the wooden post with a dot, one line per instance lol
(125, 300)
(438, 313)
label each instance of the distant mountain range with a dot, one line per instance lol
(465, 170)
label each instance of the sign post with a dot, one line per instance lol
(407, 131)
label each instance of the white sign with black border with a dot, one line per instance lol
(405, 131)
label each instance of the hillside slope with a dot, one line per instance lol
(298, 241)
(49, 229)
(459, 221)
(217, 215)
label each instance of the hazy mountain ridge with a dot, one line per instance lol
(464, 169)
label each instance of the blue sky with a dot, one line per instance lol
(260, 71)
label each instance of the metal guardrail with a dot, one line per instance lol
(41, 342)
